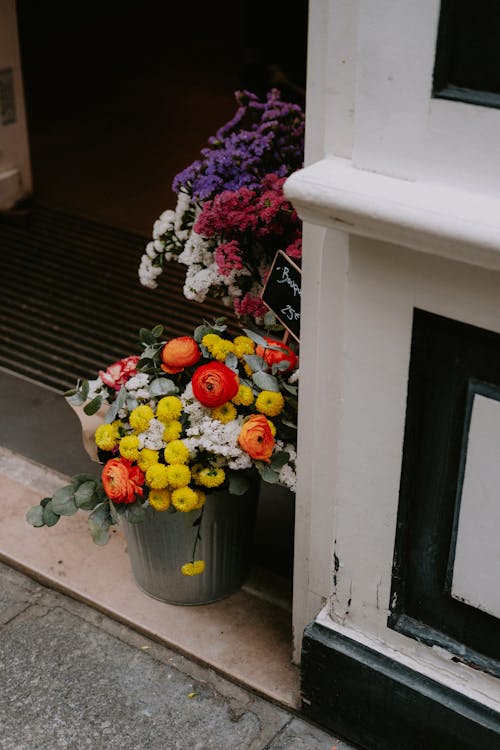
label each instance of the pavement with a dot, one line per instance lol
(72, 678)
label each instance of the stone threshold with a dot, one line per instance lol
(246, 637)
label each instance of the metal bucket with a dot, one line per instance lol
(163, 542)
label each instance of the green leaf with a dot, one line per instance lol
(238, 484)
(267, 473)
(157, 331)
(35, 516)
(113, 512)
(63, 501)
(131, 403)
(99, 522)
(265, 381)
(71, 392)
(135, 513)
(283, 365)
(291, 388)
(231, 361)
(279, 460)
(255, 362)
(288, 422)
(84, 496)
(259, 340)
(201, 331)
(146, 336)
(93, 406)
(162, 387)
(49, 517)
(100, 536)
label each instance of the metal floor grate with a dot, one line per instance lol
(71, 302)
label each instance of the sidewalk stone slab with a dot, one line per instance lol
(16, 593)
(67, 684)
(299, 735)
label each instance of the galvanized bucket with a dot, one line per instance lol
(163, 542)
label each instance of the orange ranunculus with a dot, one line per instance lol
(256, 438)
(215, 384)
(179, 353)
(122, 482)
(273, 356)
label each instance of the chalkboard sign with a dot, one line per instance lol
(281, 293)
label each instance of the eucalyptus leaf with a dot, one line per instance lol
(79, 479)
(201, 331)
(157, 331)
(256, 337)
(131, 403)
(71, 392)
(93, 406)
(231, 361)
(283, 366)
(291, 388)
(149, 352)
(85, 390)
(269, 319)
(100, 536)
(267, 473)
(238, 484)
(75, 400)
(162, 387)
(117, 404)
(279, 460)
(135, 513)
(288, 422)
(99, 522)
(255, 362)
(63, 501)
(265, 381)
(113, 512)
(146, 337)
(49, 517)
(84, 496)
(35, 516)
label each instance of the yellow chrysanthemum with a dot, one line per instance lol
(248, 369)
(184, 499)
(209, 340)
(168, 407)
(160, 499)
(243, 345)
(270, 403)
(147, 457)
(106, 437)
(201, 499)
(176, 452)
(193, 568)
(210, 477)
(172, 431)
(221, 349)
(244, 397)
(129, 447)
(178, 475)
(272, 427)
(140, 417)
(225, 413)
(157, 477)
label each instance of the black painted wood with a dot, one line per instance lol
(467, 64)
(446, 358)
(380, 704)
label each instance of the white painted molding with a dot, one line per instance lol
(431, 217)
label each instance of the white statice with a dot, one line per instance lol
(199, 280)
(153, 436)
(184, 205)
(197, 250)
(140, 380)
(148, 272)
(166, 223)
(288, 474)
(96, 388)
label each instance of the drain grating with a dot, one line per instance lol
(71, 302)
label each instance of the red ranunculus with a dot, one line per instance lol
(122, 481)
(273, 356)
(179, 353)
(215, 384)
(118, 373)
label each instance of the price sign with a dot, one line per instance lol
(281, 293)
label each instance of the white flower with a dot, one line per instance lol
(153, 436)
(148, 273)
(294, 377)
(137, 381)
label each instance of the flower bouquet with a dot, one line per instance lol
(231, 215)
(188, 418)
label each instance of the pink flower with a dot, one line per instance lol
(295, 249)
(249, 305)
(119, 372)
(228, 257)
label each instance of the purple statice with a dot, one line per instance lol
(263, 137)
